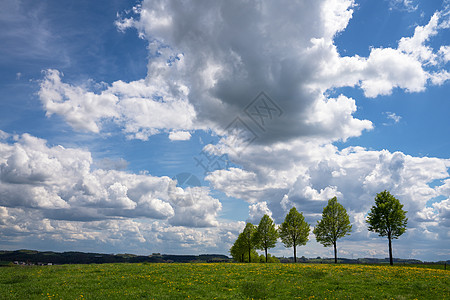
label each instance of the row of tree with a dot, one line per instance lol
(386, 217)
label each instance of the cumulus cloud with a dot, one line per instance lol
(444, 53)
(415, 45)
(179, 135)
(257, 211)
(411, 66)
(443, 213)
(393, 69)
(202, 213)
(29, 228)
(207, 62)
(306, 175)
(64, 185)
(102, 207)
(82, 110)
(144, 109)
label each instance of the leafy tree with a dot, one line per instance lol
(294, 230)
(334, 224)
(248, 239)
(239, 252)
(266, 234)
(254, 256)
(387, 218)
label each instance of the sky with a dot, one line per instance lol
(165, 126)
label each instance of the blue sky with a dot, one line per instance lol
(107, 106)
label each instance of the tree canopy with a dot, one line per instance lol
(294, 230)
(334, 224)
(248, 239)
(387, 218)
(238, 251)
(266, 234)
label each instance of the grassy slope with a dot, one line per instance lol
(223, 281)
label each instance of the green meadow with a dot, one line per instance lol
(223, 281)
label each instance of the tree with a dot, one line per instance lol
(294, 230)
(387, 218)
(334, 224)
(266, 234)
(237, 251)
(248, 239)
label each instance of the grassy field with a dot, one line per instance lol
(223, 281)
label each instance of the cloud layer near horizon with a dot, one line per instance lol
(57, 191)
(63, 185)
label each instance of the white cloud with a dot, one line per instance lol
(332, 117)
(439, 78)
(223, 66)
(20, 227)
(257, 211)
(235, 182)
(60, 181)
(392, 116)
(102, 208)
(3, 135)
(161, 209)
(388, 68)
(408, 67)
(407, 5)
(415, 45)
(444, 53)
(306, 175)
(445, 188)
(193, 206)
(215, 60)
(82, 110)
(117, 194)
(179, 135)
(143, 108)
(205, 67)
(443, 214)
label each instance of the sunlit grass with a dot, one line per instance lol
(223, 281)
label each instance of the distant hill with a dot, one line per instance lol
(35, 257)
(320, 260)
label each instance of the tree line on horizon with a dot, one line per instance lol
(386, 217)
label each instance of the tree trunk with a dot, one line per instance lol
(295, 254)
(242, 260)
(335, 253)
(391, 262)
(266, 253)
(249, 255)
